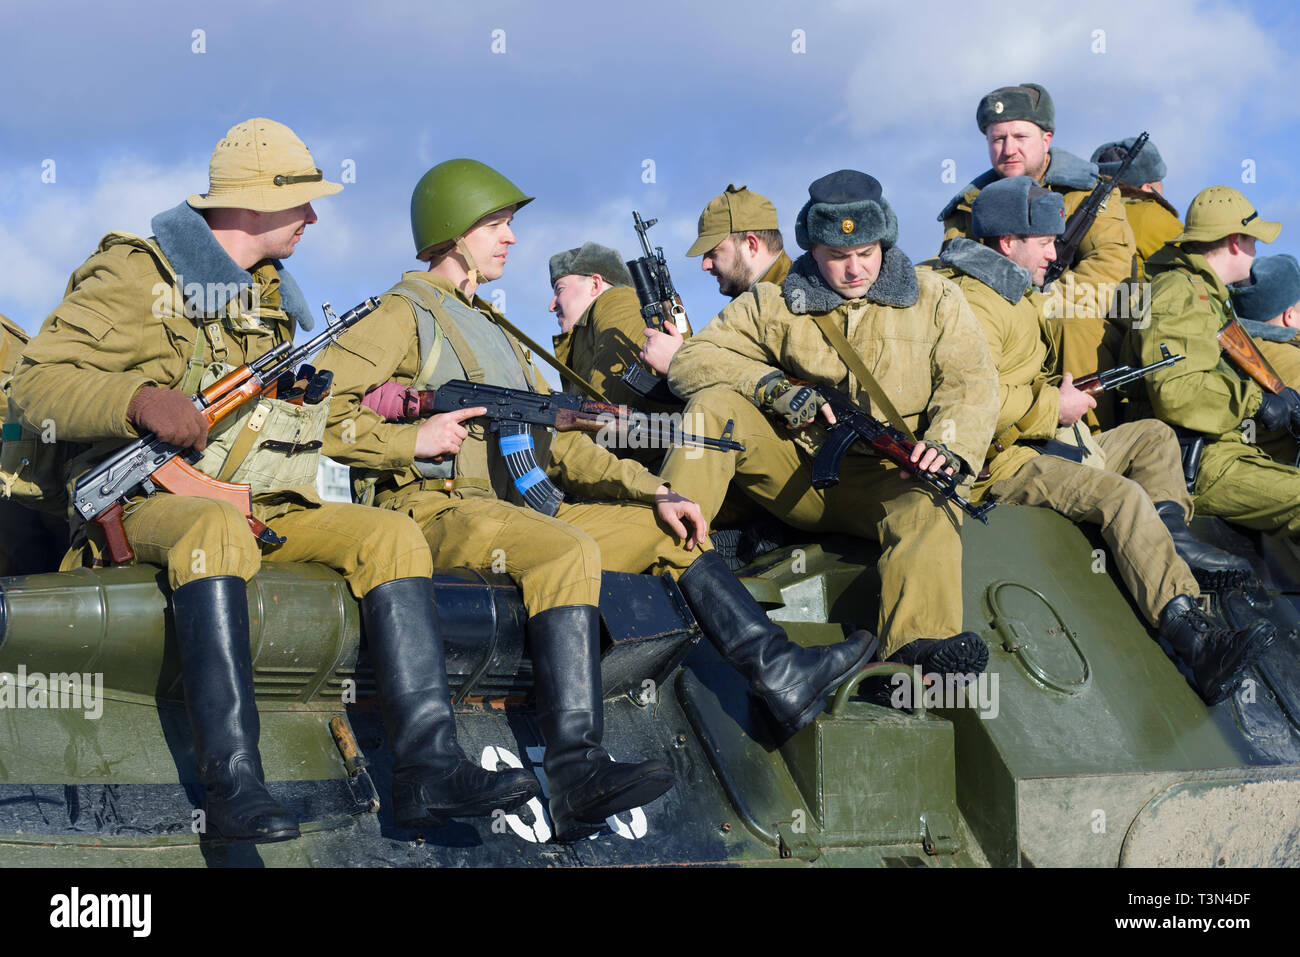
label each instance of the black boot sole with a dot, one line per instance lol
(507, 799)
(271, 837)
(636, 793)
(1247, 654)
(810, 713)
(1223, 579)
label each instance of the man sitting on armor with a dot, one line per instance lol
(117, 359)
(1128, 480)
(446, 474)
(770, 351)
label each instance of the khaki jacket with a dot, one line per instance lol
(779, 269)
(1104, 257)
(119, 328)
(1029, 407)
(914, 332)
(604, 342)
(1204, 392)
(1154, 222)
(384, 347)
(13, 338)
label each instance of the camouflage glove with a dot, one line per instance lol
(1281, 411)
(170, 415)
(796, 404)
(950, 460)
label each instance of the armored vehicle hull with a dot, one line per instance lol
(1083, 745)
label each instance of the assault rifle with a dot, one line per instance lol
(1237, 344)
(659, 304)
(1077, 226)
(512, 411)
(148, 463)
(854, 424)
(1116, 378)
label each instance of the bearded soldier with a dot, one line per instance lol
(1208, 394)
(116, 359)
(1018, 123)
(1128, 480)
(740, 244)
(913, 335)
(444, 473)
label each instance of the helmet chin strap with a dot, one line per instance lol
(477, 273)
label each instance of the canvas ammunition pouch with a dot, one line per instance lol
(446, 353)
(270, 445)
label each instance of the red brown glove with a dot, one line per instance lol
(170, 415)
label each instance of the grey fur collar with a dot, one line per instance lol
(1065, 169)
(805, 290)
(1268, 332)
(988, 266)
(197, 257)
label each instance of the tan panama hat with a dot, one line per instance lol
(1219, 211)
(262, 165)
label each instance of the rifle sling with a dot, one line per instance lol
(565, 372)
(859, 369)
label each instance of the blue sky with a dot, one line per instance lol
(583, 95)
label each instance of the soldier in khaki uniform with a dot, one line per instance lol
(1018, 122)
(116, 359)
(31, 541)
(1206, 393)
(916, 335)
(1269, 307)
(446, 474)
(601, 329)
(740, 244)
(1153, 218)
(1136, 491)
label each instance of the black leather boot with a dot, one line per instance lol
(211, 617)
(791, 680)
(432, 778)
(1213, 567)
(1217, 655)
(586, 785)
(962, 654)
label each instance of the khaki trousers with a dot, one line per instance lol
(203, 538)
(1142, 466)
(555, 561)
(1243, 484)
(920, 560)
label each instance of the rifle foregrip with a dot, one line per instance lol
(110, 521)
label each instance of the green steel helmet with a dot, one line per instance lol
(453, 196)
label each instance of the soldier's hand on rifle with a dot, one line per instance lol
(441, 435)
(1281, 411)
(674, 509)
(170, 415)
(1074, 404)
(797, 405)
(929, 459)
(660, 347)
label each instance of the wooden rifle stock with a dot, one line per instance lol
(1241, 349)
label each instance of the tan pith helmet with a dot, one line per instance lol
(1219, 211)
(262, 165)
(736, 210)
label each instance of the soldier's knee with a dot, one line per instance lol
(216, 541)
(394, 541)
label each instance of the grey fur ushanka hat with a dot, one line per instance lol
(845, 208)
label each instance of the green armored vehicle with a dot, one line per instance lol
(1082, 745)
